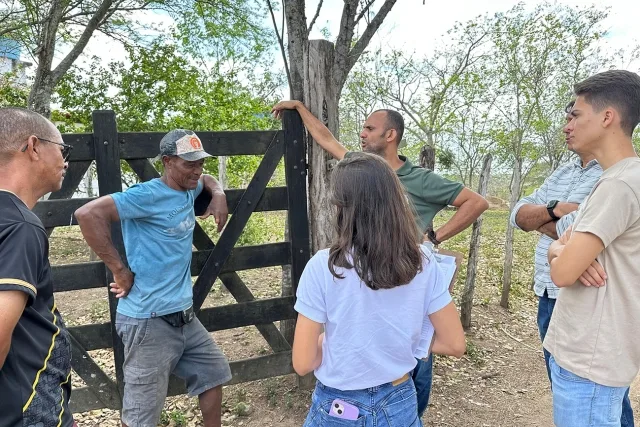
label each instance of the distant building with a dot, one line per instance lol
(10, 60)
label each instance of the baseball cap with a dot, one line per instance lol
(184, 144)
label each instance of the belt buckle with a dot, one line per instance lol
(188, 315)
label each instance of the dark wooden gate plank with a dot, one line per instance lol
(100, 384)
(145, 145)
(264, 311)
(73, 177)
(295, 174)
(107, 151)
(257, 368)
(238, 221)
(90, 275)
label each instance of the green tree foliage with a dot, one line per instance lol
(12, 94)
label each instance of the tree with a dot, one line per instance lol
(12, 94)
(338, 60)
(425, 89)
(42, 25)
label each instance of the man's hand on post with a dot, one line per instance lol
(283, 105)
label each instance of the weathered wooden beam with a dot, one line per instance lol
(73, 177)
(295, 165)
(83, 149)
(107, 150)
(73, 277)
(59, 213)
(145, 145)
(258, 312)
(257, 368)
(101, 385)
(90, 275)
(253, 369)
(238, 221)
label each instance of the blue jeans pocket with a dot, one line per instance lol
(569, 376)
(319, 417)
(401, 410)
(615, 406)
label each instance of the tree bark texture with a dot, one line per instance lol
(474, 248)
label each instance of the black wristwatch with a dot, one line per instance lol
(550, 207)
(431, 234)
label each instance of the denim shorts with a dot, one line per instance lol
(382, 406)
(580, 402)
(153, 349)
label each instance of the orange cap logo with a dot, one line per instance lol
(195, 143)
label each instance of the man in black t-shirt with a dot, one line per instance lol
(35, 351)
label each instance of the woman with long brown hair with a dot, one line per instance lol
(379, 296)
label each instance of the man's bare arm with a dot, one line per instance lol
(95, 220)
(531, 217)
(549, 229)
(316, 128)
(470, 206)
(12, 304)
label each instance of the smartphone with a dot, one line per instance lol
(344, 410)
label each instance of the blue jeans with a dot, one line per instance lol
(422, 376)
(579, 402)
(545, 310)
(382, 406)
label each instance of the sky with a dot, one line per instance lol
(417, 27)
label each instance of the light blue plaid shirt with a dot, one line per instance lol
(569, 183)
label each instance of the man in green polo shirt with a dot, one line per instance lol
(429, 192)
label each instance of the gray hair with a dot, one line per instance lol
(18, 124)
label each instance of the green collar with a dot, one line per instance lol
(406, 168)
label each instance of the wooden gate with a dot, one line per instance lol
(107, 147)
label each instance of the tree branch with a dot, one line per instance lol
(313, 21)
(280, 40)
(95, 21)
(364, 10)
(366, 37)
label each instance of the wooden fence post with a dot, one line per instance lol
(107, 149)
(474, 247)
(298, 221)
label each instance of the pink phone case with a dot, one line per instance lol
(344, 410)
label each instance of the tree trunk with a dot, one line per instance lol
(222, 172)
(428, 157)
(474, 247)
(297, 46)
(516, 179)
(322, 100)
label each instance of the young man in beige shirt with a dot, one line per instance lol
(593, 335)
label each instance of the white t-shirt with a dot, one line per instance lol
(371, 337)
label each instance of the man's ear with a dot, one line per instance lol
(165, 161)
(392, 134)
(33, 147)
(608, 117)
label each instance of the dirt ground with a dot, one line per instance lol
(501, 380)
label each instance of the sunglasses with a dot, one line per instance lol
(66, 148)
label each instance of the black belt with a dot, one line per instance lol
(179, 318)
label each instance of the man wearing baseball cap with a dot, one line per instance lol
(155, 316)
